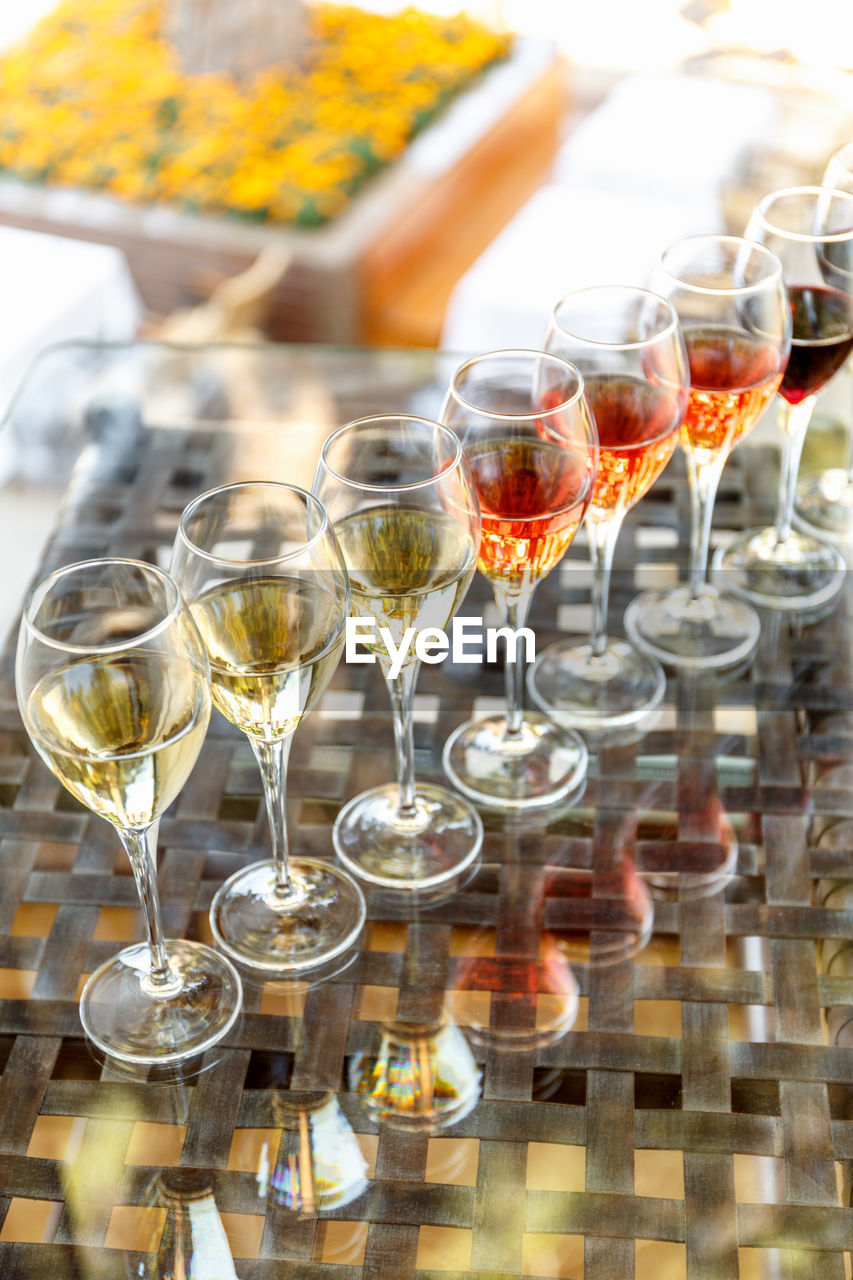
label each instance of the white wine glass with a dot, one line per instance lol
(400, 497)
(261, 570)
(733, 307)
(627, 343)
(113, 686)
(532, 447)
(810, 229)
(824, 501)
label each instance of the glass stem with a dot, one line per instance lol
(140, 846)
(793, 420)
(402, 690)
(703, 480)
(514, 610)
(272, 758)
(602, 544)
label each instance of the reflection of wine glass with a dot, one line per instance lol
(114, 690)
(531, 443)
(811, 231)
(400, 496)
(628, 346)
(191, 1241)
(422, 1077)
(515, 991)
(824, 499)
(260, 567)
(320, 1164)
(731, 300)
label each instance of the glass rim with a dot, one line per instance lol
(533, 415)
(39, 593)
(311, 501)
(805, 237)
(591, 290)
(721, 238)
(842, 156)
(378, 419)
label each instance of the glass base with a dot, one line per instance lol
(824, 503)
(800, 572)
(704, 866)
(574, 686)
(131, 1021)
(541, 764)
(440, 840)
(319, 917)
(694, 633)
(423, 1078)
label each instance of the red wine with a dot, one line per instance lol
(822, 341)
(533, 496)
(733, 376)
(637, 431)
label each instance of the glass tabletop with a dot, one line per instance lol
(675, 940)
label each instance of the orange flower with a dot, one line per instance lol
(95, 98)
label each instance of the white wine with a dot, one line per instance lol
(273, 645)
(407, 568)
(121, 732)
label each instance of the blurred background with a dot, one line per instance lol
(563, 144)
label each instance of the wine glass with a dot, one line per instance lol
(319, 1164)
(260, 568)
(423, 1077)
(184, 1229)
(811, 231)
(114, 690)
(731, 300)
(531, 443)
(400, 497)
(627, 343)
(824, 500)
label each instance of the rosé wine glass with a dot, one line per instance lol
(532, 447)
(731, 300)
(627, 343)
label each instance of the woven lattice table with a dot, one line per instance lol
(695, 1121)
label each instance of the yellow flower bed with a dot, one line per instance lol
(96, 98)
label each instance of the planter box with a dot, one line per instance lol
(409, 235)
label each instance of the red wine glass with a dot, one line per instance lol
(824, 501)
(810, 229)
(532, 447)
(627, 343)
(731, 300)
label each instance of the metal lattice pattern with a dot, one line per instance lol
(693, 1122)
